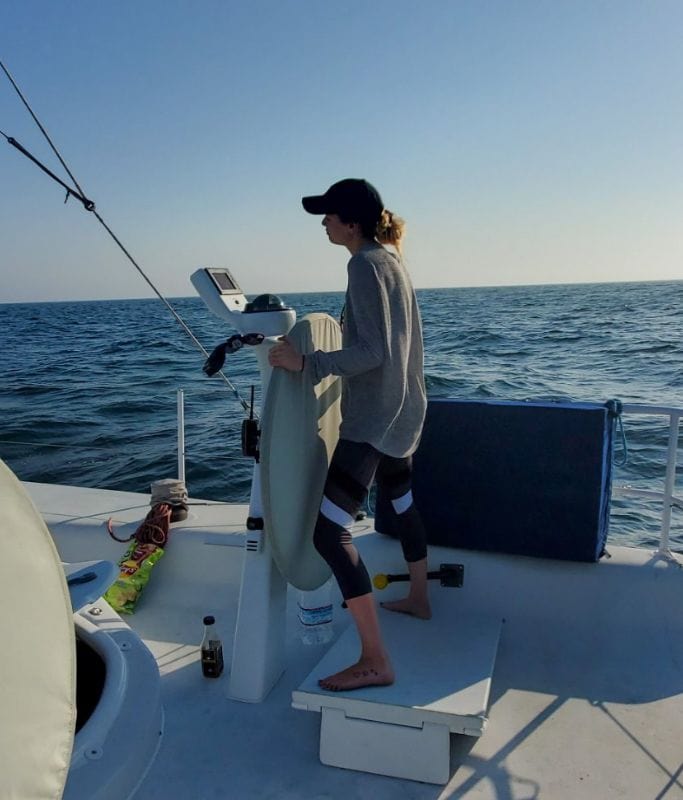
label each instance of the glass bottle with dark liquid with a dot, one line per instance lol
(211, 650)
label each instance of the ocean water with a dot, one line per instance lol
(88, 390)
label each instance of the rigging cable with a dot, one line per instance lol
(88, 205)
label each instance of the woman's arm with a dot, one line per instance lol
(366, 303)
(366, 311)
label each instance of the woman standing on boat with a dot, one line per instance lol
(383, 410)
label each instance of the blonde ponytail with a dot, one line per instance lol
(390, 229)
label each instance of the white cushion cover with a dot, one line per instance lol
(37, 658)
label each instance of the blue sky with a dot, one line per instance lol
(523, 142)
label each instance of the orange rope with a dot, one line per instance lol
(154, 529)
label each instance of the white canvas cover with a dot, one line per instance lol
(37, 659)
(300, 429)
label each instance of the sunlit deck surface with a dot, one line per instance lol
(586, 697)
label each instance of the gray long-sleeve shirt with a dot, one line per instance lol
(381, 361)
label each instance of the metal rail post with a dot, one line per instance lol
(669, 484)
(181, 435)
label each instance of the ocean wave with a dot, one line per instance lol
(30, 390)
(558, 335)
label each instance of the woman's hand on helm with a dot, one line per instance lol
(286, 356)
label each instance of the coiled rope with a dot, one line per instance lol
(154, 528)
(89, 205)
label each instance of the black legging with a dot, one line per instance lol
(353, 467)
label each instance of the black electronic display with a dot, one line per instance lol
(224, 281)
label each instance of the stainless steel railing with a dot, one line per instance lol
(667, 497)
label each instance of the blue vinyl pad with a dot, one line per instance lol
(531, 478)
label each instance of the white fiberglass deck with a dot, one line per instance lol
(586, 697)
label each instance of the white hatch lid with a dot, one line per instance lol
(38, 663)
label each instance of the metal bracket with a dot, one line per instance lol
(452, 575)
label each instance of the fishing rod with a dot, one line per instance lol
(89, 205)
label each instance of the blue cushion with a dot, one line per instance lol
(532, 478)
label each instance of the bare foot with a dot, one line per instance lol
(421, 610)
(364, 673)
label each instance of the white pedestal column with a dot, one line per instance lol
(258, 656)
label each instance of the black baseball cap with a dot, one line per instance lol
(353, 199)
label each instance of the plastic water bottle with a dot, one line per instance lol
(315, 615)
(211, 650)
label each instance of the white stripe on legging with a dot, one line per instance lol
(335, 513)
(402, 504)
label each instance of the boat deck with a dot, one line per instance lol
(586, 699)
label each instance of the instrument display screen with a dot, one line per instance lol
(224, 281)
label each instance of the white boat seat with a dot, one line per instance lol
(44, 598)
